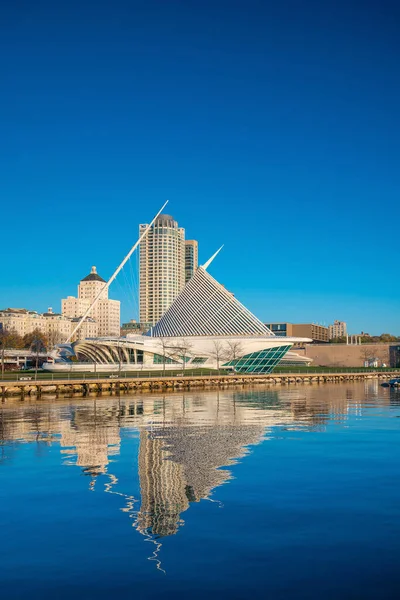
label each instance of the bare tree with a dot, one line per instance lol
(218, 352)
(3, 342)
(55, 337)
(234, 350)
(9, 340)
(183, 350)
(372, 354)
(37, 346)
(35, 337)
(166, 349)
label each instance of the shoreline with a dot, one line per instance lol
(86, 386)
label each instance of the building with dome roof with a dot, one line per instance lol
(106, 313)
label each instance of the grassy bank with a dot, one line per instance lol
(44, 376)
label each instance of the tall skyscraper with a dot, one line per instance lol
(161, 268)
(191, 258)
(106, 312)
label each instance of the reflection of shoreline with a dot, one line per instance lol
(186, 442)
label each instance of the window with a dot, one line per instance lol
(259, 362)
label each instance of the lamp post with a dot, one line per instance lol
(38, 344)
(3, 349)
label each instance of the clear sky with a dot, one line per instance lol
(272, 127)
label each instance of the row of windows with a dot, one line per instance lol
(259, 362)
(158, 359)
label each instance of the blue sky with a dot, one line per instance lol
(271, 127)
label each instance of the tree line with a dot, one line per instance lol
(36, 341)
(384, 338)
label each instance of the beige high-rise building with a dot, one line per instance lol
(337, 330)
(191, 259)
(161, 268)
(106, 313)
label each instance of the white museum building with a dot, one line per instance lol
(205, 327)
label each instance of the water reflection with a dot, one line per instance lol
(186, 442)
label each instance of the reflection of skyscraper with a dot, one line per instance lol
(92, 444)
(182, 463)
(162, 488)
(186, 442)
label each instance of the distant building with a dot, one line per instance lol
(191, 258)
(56, 327)
(282, 329)
(161, 268)
(106, 313)
(394, 355)
(21, 320)
(338, 329)
(318, 333)
(133, 327)
(16, 359)
(88, 329)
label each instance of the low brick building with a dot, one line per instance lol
(343, 355)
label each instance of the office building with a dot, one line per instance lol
(191, 259)
(88, 329)
(281, 329)
(106, 313)
(337, 330)
(317, 333)
(133, 327)
(161, 268)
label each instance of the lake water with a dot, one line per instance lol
(247, 493)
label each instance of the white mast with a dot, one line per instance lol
(208, 263)
(113, 276)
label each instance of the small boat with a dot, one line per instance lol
(392, 383)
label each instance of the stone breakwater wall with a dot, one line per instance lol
(91, 386)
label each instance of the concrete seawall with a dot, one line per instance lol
(97, 386)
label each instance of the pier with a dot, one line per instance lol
(87, 384)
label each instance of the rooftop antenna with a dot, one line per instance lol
(113, 276)
(208, 263)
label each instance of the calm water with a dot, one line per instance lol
(289, 493)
